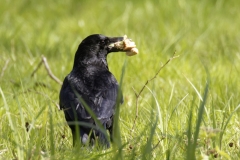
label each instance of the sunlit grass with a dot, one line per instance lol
(204, 34)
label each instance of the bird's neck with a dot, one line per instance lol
(101, 64)
(98, 61)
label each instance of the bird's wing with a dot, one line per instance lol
(70, 103)
(104, 101)
(101, 101)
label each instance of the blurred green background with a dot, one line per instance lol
(205, 34)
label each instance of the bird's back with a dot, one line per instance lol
(99, 91)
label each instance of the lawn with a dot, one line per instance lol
(190, 110)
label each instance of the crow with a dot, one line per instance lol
(91, 83)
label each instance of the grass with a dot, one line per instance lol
(184, 113)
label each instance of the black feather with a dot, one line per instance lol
(91, 79)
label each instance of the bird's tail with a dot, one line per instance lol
(102, 136)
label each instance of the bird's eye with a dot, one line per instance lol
(102, 42)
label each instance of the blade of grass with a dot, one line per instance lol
(158, 109)
(191, 148)
(137, 139)
(12, 126)
(213, 118)
(195, 89)
(190, 152)
(148, 147)
(116, 129)
(200, 118)
(52, 144)
(176, 107)
(225, 125)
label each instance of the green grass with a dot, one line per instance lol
(190, 111)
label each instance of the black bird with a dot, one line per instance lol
(90, 81)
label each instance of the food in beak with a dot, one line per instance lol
(127, 45)
(132, 52)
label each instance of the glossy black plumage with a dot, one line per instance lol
(91, 80)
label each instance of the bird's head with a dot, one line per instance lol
(94, 49)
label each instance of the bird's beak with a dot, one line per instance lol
(112, 44)
(124, 44)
